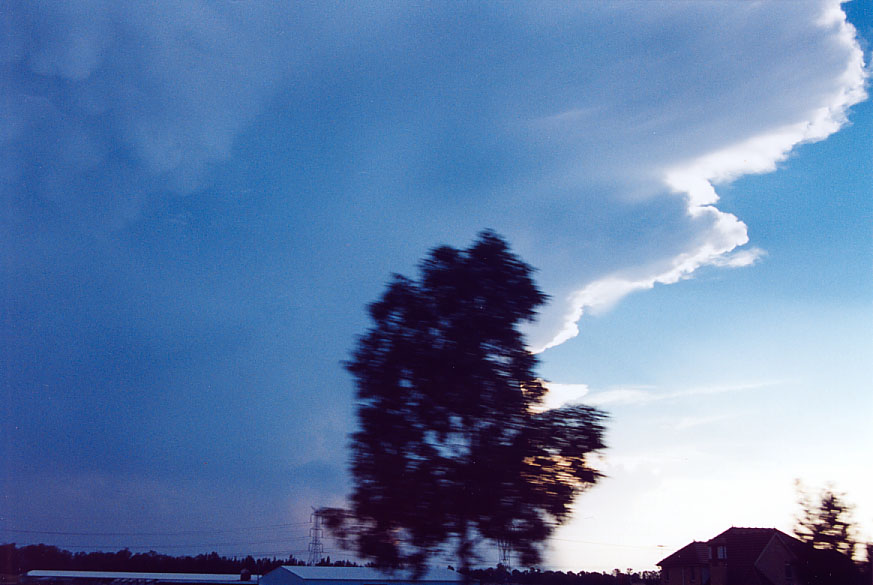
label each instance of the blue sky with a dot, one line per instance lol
(199, 199)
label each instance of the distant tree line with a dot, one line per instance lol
(18, 560)
(503, 576)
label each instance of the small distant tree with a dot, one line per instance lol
(825, 521)
(454, 445)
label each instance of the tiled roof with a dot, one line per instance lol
(744, 546)
(691, 554)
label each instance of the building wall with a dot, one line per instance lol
(718, 573)
(690, 575)
(777, 564)
(280, 577)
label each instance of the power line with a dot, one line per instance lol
(610, 544)
(333, 554)
(145, 547)
(179, 533)
(189, 545)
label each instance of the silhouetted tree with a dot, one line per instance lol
(453, 445)
(825, 521)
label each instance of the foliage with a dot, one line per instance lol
(825, 521)
(502, 576)
(19, 560)
(453, 446)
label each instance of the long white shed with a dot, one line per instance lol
(41, 577)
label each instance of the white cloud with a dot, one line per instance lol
(641, 395)
(608, 166)
(559, 395)
(593, 135)
(689, 422)
(754, 148)
(740, 258)
(726, 234)
(620, 396)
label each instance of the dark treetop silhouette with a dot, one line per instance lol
(825, 523)
(452, 447)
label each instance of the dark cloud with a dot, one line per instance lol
(198, 199)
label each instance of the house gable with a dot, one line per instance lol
(755, 556)
(778, 562)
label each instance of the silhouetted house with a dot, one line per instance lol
(128, 578)
(288, 575)
(756, 556)
(687, 566)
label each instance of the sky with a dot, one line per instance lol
(198, 200)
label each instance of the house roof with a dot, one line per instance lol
(694, 553)
(744, 546)
(367, 574)
(130, 576)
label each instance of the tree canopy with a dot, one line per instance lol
(454, 446)
(825, 521)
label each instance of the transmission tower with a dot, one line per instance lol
(505, 553)
(316, 548)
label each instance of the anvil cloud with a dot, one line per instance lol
(199, 198)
